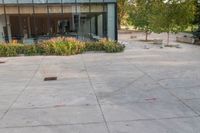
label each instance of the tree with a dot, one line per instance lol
(123, 7)
(197, 14)
(140, 16)
(172, 16)
(196, 21)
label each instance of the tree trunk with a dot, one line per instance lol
(167, 38)
(146, 35)
(119, 24)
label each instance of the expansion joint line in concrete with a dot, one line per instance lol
(96, 123)
(92, 86)
(54, 125)
(168, 91)
(123, 88)
(22, 90)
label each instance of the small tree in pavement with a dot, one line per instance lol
(172, 16)
(140, 15)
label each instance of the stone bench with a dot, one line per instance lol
(157, 41)
(185, 39)
(133, 37)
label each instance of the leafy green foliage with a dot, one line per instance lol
(28, 50)
(196, 21)
(197, 14)
(162, 15)
(141, 14)
(172, 15)
(108, 46)
(111, 46)
(60, 46)
(123, 7)
(10, 50)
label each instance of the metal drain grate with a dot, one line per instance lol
(1, 62)
(50, 78)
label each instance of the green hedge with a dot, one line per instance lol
(60, 46)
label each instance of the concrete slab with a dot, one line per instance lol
(90, 128)
(139, 90)
(51, 116)
(6, 90)
(180, 83)
(142, 89)
(76, 83)
(187, 93)
(35, 98)
(184, 125)
(113, 83)
(12, 85)
(151, 110)
(194, 104)
(6, 101)
(134, 95)
(2, 113)
(11, 65)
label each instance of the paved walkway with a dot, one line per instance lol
(139, 91)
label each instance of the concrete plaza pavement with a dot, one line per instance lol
(138, 91)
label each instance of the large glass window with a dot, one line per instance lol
(10, 1)
(52, 18)
(69, 1)
(25, 1)
(54, 1)
(110, 1)
(40, 1)
(82, 1)
(97, 1)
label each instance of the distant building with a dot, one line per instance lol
(37, 19)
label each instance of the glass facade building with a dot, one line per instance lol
(22, 20)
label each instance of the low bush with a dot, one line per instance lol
(29, 50)
(108, 46)
(94, 46)
(111, 46)
(10, 49)
(60, 46)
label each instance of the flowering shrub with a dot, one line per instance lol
(111, 46)
(10, 49)
(60, 46)
(108, 46)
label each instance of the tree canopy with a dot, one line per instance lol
(158, 15)
(123, 8)
(197, 14)
(140, 15)
(172, 15)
